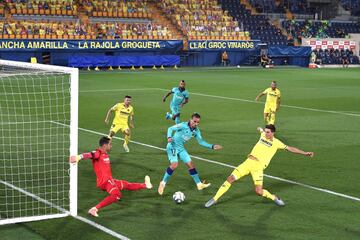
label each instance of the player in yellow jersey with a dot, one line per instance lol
(124, 117)
(255, 164)
(272, 103)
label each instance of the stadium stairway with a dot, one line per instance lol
(159, 16)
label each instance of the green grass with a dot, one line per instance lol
(309, 214)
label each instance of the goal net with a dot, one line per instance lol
(38, 132)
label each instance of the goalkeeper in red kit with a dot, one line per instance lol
(104, 179)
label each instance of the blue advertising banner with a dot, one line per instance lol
(125, 45)
(216, 45)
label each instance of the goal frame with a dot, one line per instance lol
(73, 150)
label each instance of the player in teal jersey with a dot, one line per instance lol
(175, 149)
(180, 98)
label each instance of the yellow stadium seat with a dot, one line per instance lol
(48, 36)
(6, 36)
(63, 12)
(41, 11)
(12, 36)
(105, 14)
(13, 11)
(47, 11)
(23, 36)
(58, 12)
(53, 11)
(100, 14)
(54, 36)
(69, 12)
(30, 36)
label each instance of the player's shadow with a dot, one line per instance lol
(258, 230)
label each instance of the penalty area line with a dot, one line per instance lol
(227, 165)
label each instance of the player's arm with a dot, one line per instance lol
(171, 130)
(259, 96)
(108, 114)
(203, 143)
(131, 121)
(185, 102)
(83, 156)
(278, 103)
(168, 94)
(299, 151)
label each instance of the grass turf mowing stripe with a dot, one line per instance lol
(227, 165)
(226, 98)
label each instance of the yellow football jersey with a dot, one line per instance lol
(122, 113)
(265, 149)
(272, 96)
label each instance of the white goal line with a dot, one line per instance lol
(64, 213)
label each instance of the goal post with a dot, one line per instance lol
(38, 133)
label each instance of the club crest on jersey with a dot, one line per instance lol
(107, 160)
(266, 143)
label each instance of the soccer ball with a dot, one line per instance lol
(178, 197)
(238, 66)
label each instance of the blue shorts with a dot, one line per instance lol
(175, 109)
(174, 154)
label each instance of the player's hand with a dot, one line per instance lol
(170, 139)
(132, 125)
(256, 99)
(310, 154)
(164, 99)
(74, 159)
(260, 129)
(217, 147)
(107, 121)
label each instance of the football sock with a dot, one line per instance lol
(127, 139)
(267, 194)
(108, 200)
(167, 174)
(222, 190)
(171, 115)
(194, 175)
(133, 186)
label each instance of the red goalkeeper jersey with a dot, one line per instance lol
(101, 164)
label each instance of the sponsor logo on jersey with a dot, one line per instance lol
(265, 142)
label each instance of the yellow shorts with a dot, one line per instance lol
(253, 167)
(269, 109)
(115, 127)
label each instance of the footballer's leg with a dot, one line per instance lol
(114, 196)
(122, 184)
(258, 176)
(172, 156)
(176, 114)
(127, 135)
(113, 130)
(239, 172)
(170, 115)
(185, 157)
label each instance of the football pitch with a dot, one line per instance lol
(320, 112)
